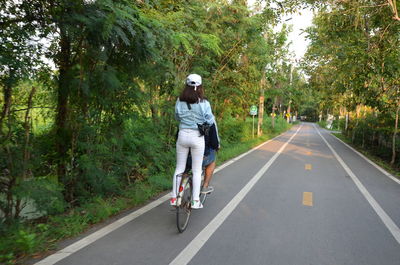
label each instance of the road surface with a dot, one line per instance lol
(302, 198)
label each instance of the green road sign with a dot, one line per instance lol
(253, 110)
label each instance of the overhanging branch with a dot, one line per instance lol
(393, 4)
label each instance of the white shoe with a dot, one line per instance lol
(197, 204)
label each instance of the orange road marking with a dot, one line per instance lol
(307, 198)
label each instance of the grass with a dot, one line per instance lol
(236, 147)
(34, 238)
(239, 148)
(383, 164)
(322, 124)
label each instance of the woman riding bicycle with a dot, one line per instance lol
(191, 110)
(210, 149)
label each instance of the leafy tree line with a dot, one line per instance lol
(353, 63)
(99, 116)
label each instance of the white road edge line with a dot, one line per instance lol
(65, 252)
(390, 225)
(371, 162)
(197, 243)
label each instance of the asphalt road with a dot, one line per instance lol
(298, 199)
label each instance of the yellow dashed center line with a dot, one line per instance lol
(308, 167)
(307, 199)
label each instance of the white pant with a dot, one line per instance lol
(189, 139)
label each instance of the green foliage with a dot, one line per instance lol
(322, 124)
(67, 225)
(373, 133)
(232, 149)
(374, 157)
(97, 210)
(235, 131)
(46, 194)
(134, 152)
(16, 240)
(232, 130)
(119, 66)
(281, 125)
(351, 63)
(159, 182)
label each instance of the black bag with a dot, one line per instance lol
(212, 138)
(204, 128)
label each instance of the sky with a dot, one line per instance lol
(299, 22)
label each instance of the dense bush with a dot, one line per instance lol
(375, 133)
(15, 240)
(322, 123)
(232, 130)
(44, 193)
(131, 152)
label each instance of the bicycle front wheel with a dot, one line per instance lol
(184, 210)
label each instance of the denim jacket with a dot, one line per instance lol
(200, 113)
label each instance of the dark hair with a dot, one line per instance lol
(191, 96)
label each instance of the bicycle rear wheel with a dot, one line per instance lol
(184, 209)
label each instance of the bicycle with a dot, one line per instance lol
(183, 201)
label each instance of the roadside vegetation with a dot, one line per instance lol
(368, 152)
(354, 66)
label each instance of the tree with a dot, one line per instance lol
(352, 55)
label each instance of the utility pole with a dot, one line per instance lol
(261, 106)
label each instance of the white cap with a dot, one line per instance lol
(193, 80)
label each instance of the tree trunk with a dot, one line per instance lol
(154, 106)
(288, 112)
(9, 183)
(363, 138)
(7, 90)
(273, 114)
(62, 133)
(396, 125)
(17, 208)
(260, 112)
(27, 127)
(261, 106)
(353, 135)
(358, 110)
